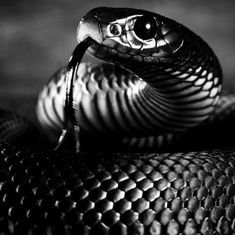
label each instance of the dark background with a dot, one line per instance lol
(37, 37)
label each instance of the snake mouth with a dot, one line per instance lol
(109, 54)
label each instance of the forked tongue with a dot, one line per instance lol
(70, 124)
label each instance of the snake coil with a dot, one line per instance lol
(159, 91)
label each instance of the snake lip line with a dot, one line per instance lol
(100, 51)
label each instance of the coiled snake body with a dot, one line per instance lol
(162, 82)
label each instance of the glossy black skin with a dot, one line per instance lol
(190, 46)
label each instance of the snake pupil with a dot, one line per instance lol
(145, 27)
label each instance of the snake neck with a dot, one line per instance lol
(179, 95)
(140, 99)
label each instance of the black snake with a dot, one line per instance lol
(160, 91)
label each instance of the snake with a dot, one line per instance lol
(141, 120)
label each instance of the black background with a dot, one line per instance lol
(37, 37)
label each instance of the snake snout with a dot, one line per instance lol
(89, 27)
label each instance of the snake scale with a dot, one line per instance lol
(159, 90)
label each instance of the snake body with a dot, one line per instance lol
(161, 82)
(166, 84)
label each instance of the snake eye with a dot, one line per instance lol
(145, 27)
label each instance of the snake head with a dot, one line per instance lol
(121, 34)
